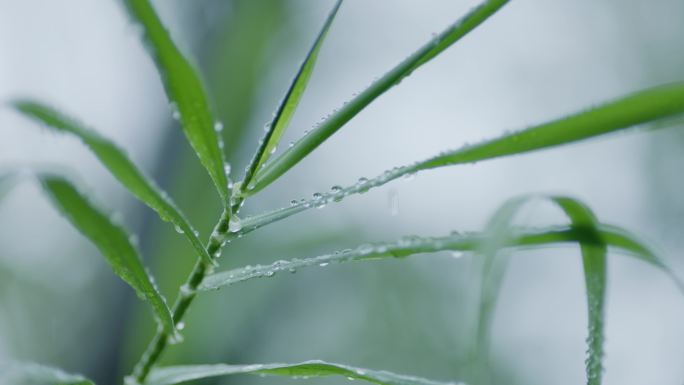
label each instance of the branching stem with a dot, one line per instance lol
(186, 295)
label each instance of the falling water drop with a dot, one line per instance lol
(393, 202)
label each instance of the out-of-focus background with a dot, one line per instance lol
(533, 61)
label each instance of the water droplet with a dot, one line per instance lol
(365, 249)
(218, 126)
(186, 291)
(180, 325)
(226, 168)
(178, 229)
(457, 254)
(393, 202)
(174, 111)
(133, 239)
(336, 189)
(291, 144)
(175, 338)
(234, 224)
(323, 264)
(116, 218)
(363, 185)
(274, 149)
(269, 273)
(293, 202)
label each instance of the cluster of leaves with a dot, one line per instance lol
(191, 107)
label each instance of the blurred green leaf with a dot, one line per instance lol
(289, 104)
(641, 107)
(594, 253)
(36, 374)
(311, 141)
(112, 241)
(177, 374)
(118, 163)
(186, 92)
(520, 238)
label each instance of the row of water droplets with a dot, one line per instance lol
(317, 368)
(405, 246)
(319, 200)
(338, 193)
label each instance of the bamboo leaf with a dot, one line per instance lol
(640, 107)
(308, 369)
(118, 163)
(185, 91)
(653, 104)
(522, 239)
(36, 374)
(594, 253)
(434, 47)
(289, 104)
(112, 241)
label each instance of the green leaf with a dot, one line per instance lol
(186, 92)
(36, 374)
(118, 163)
(641, 107)
(112, 241)
(520, 239)
(308, 143)
(652, 104)
(594, 253)
(178, 374)
(286, 110)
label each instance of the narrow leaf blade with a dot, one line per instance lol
(185, 90)
(112, 241)
(594, 255)
(118, 163)
(317, 136)
(178, 374)
(289, 104)
(640, 107)
(651, 105)
(522, 239)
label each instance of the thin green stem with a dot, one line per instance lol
(186, 295)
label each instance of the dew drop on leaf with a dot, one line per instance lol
(235, 224)
(457, 254)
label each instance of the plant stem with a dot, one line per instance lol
(186, 295)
